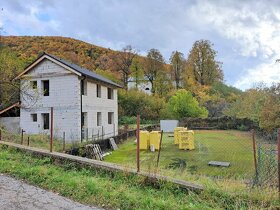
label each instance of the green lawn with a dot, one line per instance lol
(230, 146)
(115, 190)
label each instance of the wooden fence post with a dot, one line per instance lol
(138, 143)
(28, 141)
(0, 135)
(254, 151)
(51, 133)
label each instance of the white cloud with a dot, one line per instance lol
(266, 72)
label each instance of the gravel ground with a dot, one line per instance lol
(17, 195)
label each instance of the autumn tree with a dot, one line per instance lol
(154, 65)
(177, 62)
(137, 71)
(123, 61)
(202, 63)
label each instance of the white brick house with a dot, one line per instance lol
(85, 103)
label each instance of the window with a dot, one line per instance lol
(46, 87)
(84, 119)
(99, 119)
(34, 84)
(34, 117)
(84, 87)
(110, 118)
(98, 91)
(46, 121)
(110, 93)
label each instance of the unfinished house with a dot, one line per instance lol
(84, 103)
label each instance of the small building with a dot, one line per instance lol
(84, 103)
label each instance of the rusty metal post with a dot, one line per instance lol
(138, 143)
(28, 141)
(279, 162)
(159, 149)
(22, 131)
(63, 141)
(254, 150)
(51, 133)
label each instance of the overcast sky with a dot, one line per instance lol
(246, 34)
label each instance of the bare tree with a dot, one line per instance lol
(123, 61)
(177, 62)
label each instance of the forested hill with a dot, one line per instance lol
(84, 54)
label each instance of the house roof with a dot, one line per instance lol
(78, 69)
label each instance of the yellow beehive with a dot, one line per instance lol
(186, 139)
(155, 139)
(144, 140)
(176, 134)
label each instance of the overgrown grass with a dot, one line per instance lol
(41, 141)
(232, 146)
(116, 190)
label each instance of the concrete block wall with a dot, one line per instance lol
(65, 98)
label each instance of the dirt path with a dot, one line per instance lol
(17, 195)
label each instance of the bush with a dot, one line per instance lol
(135, 102)
(183, 104)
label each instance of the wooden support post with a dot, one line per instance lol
(138, 143)
(279, 163)
(159, 147)
(51, 133)
(254, 150)
(63, 141)
(22, 131)
(28, 141)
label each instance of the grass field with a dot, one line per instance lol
(230, 146)
(113, 190)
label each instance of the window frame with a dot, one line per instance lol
(46, 91)
(110, 93)
(99, 118)
(98, 90)
(46, 121)
(34, 117)
(110, 118)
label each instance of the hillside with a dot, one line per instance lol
(84, 54)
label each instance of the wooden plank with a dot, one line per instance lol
(113, 144)
(219, 163)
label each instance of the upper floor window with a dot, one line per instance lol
(98, 91)
(110, 93)
(46, 87)
(34, 84)
(84, 87)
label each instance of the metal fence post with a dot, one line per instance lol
(22, 131)
(161, 134)
(51, 133)
(28, 141)
(279, 162)
(138, 143)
